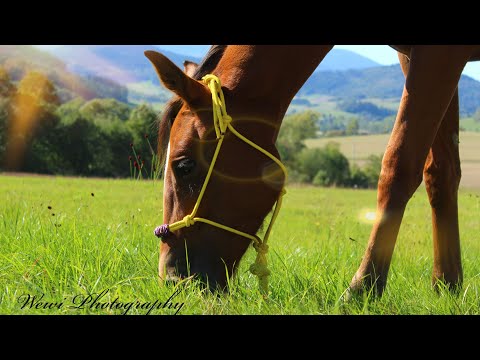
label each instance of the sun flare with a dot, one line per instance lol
(367, 216)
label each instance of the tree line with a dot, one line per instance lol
(108, 138)
(100, 137)
(325, 166)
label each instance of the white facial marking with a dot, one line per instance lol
(166, 167)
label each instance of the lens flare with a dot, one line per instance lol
(367, 215)
(21, 126)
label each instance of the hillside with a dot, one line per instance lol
(383, 82)
(121, 63)
(17, 60)
(122, 72)
(124, 64)
(343, 76)
(337, 59)
(127, 64)
(340, 59)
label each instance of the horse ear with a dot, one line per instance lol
(175, 79)
(189, 67)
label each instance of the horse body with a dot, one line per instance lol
(259, 83)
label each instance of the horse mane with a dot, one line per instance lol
(170, 112)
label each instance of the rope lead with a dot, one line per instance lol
(222, 121)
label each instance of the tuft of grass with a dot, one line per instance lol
(103, 244)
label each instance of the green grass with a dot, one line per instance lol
(105, 242)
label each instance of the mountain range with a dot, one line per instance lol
(126, 63)
(337, 59)
(122, 63)
(123, 72)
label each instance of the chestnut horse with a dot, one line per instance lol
(259, 82)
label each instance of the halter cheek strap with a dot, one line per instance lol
(222, 123)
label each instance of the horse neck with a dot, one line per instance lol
(261, 80)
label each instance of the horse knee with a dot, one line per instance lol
(398, 182)
(442, 179)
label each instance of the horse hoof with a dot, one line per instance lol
(366, 284)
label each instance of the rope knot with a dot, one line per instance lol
(161, 231)
(261, 248)
(188, 221)
(259, 268)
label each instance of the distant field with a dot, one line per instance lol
(326, 104)
(469, 124)
(68, 238)
(358, 148)
(322, 104)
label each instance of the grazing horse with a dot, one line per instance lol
(258, 83)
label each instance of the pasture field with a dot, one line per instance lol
(96, 238)
(358, 148)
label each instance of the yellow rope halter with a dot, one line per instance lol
(222, 122)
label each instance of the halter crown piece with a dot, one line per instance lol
(223, 122)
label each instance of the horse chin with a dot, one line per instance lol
(208, 262)
(202, 280)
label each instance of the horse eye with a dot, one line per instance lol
(184, 167)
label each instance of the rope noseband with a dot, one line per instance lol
(222, 123)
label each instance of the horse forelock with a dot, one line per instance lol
(170, 112)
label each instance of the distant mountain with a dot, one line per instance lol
(127, 64)
(343, 75)
(340, 59)
(121, 63)
(381, 82)
(337, 59)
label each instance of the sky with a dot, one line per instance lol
(385, 55)
(382, 54)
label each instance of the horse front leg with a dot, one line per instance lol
(429, 87)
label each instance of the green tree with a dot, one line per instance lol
(7, 89)
(79, 140)
(39, 87)
(41, 153)
(4, 116)
(70, 111)
(388, 123)
(352, 127)
(32, 116)
(372, 169)
(105, 111)
(142, 121)
(296, 128)
(325, 166)
(358, 178)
